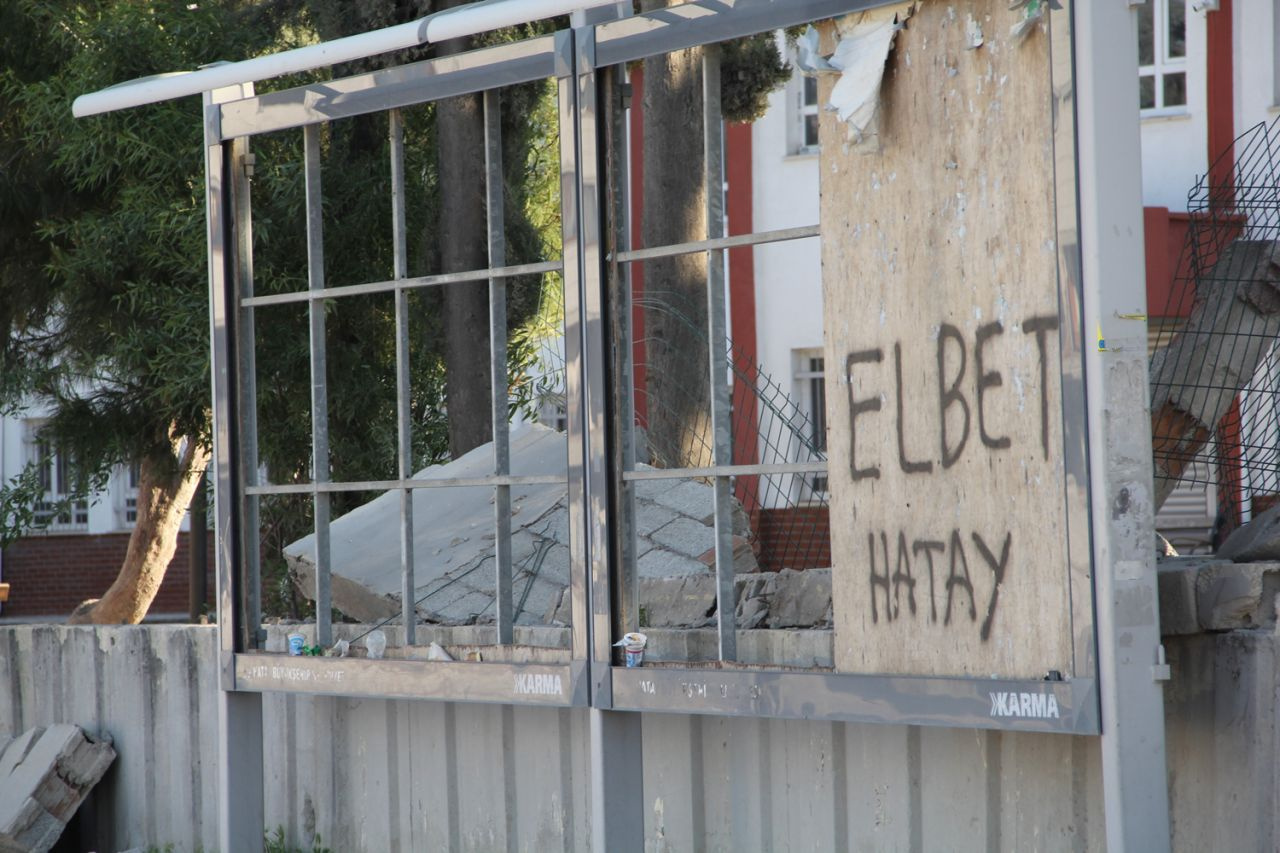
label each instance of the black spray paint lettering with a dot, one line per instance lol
(887, 584)
(858, 407)
(955, 415)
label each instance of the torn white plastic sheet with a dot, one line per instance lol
(865, 39)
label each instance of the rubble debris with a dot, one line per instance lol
(1257, 540)
(453, 539)
(45, 774)
(1200, 594)
(785, 599)
(1196, 378)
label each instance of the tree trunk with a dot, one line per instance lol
(1196, 377)
(464, 246)
(675, 289)
(165, 489)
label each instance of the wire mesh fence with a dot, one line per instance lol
(769, 425)
(1215, 372)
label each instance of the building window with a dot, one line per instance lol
(807, 115)
(129, 476)
(811, 395)
(1162, 56)
(56, 472)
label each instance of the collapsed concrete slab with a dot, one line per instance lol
(45, 774)
(453, 541)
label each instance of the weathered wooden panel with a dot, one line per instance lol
(948, 521)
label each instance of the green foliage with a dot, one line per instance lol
(102, 274)
(750, 68)
(103, 291)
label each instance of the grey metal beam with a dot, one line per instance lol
(240, 787)
(494, 200)
(548, 684)
(721, 416)
(402, 86)
(386, 485)
(709, 22)
(575, 419)
(246, 343)
(404, 428)
(762, 468)
(319, 382)
(1063, 707)
(1134, 768)
(617, 782)
(617, 235)
(756, 238)
(593, 329)
(537, 268)
(241, 809)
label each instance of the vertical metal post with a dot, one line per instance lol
(1134, 769)
(626, 616)
(242, 171)
(721, 416)
(404, 434)
(498, 363)
(240, 788)
(617, 758)
(319, 382)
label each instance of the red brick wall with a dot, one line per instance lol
(51, 575)
(793, 538)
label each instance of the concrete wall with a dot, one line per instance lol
(372, 775)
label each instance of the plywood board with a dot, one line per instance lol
(948, 520)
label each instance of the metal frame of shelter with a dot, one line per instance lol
(583, 61)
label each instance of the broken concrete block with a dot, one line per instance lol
(687, 497)
(685, 536)
(1177, 589)
(454, 539)
(1236, 595)
(661, 563)
(1257, 540)
(801, 599)
(44, 776)
(685, 602)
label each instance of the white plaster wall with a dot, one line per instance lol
(1253, 34)
(788, 275)
(1174, 148)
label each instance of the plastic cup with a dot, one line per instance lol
(633, 648)
(296, 642)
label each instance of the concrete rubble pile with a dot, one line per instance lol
(45, 774)
(1235, 589)
(453, 547)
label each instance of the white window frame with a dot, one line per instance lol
(809, 375)
(127, 477)
(55, 477)
(1162, 64)
(801, 110)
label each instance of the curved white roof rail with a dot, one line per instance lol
(454, 23)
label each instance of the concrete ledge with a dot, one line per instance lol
(1211, 594)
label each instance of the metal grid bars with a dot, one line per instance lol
(237, 328)
(611, 444)
(690, 424)
(1215, 379)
